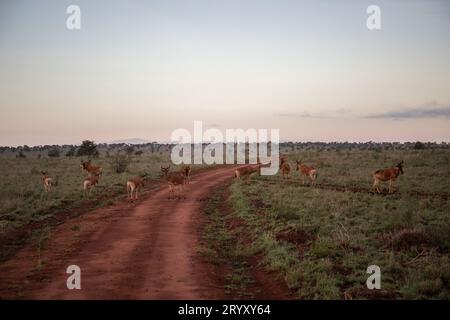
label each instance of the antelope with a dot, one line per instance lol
(133, 185)
(173, 179)
(283, 158)
(47, 182)
(390, 175)
(186, 170)
(285, 167)
(306, 171)
(246, 171)
(89, 183)
(90, 168)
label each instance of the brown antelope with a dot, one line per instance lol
(285, 170)
(90, 168)
(89, 183)
(285, 167)
(186, 170)
(133, 185)
(246, 171)
(306, 171)
(173, 179)
(390, 175)
(283, 158)
(47, 182)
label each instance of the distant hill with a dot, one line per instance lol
(130, 141)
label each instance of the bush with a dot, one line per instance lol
(119, 162)
(54, 152)
(419, 146)
(87, 148)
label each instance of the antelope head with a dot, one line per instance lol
(299, 163)
(84, 164)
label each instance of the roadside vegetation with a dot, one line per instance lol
(26, 208)
(321, 241)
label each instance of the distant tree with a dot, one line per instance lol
(419, 145)
(87, 148)
(139, 152)
(54, 152)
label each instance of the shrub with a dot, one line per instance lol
(87, 148)
(54, 152)
(119, 162)
(419, 145)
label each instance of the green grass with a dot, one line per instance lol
(222, 246)
(322, 241)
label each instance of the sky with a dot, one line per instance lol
(141, 69)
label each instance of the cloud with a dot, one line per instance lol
(294, 115)
(427, 111)
(414, 113)
(330, 114)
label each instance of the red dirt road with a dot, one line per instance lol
(142, 251)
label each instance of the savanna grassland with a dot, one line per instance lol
(311, 242)
(26, 210)
(319, 241)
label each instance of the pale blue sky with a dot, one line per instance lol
(144, 68)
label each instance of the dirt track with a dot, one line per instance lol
(142, 251)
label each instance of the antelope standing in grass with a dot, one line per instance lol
(186, 170)
(89, 183)
(133, 185)
(246, 171)
(90, 168)
(390, 175)
(306, 171)
(173, 179)
(285, 167)
(283, 158)
(47, 182)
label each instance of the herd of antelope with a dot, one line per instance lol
(133, 185)
(383, 175)
(178, 179)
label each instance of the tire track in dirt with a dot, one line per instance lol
(147, 251)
